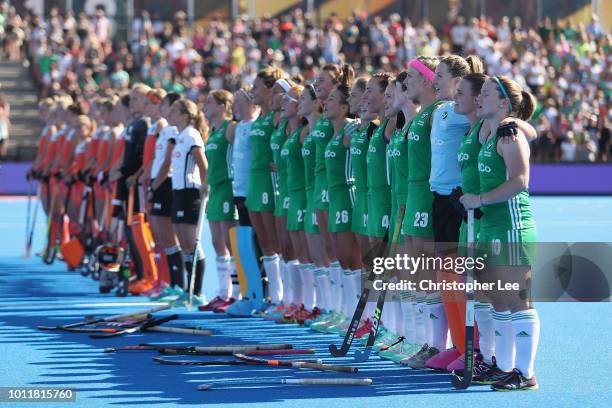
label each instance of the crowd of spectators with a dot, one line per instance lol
(568, 66)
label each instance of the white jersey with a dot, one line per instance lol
(166, 136)
(185, 172)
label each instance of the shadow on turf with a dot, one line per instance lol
(126, 376)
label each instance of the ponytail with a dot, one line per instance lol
(476, 64)
(460, 67)
(201, 126)
(347, 76)
(527, 106)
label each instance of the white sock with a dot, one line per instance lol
(421, 321)
(439, 322)
(336, 286)
(275, 284)
(307, 276)
(295, 282)
(285, 281)
(504, 340)
(323, 288)
(223, 275)
(526, 330)
(407, 316)
(354, 291)
(236, 293)
(486, 331)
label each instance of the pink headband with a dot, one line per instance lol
(422, 68)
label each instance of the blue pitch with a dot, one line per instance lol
(573, 363)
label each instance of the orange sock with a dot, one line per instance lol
(454, 306)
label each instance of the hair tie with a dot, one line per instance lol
(423, 69)
(283, 84)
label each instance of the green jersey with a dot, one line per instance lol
(321, 133)
(397, 152)
(376, 159)
(261, 131)
(359, 150)
(291, 155)
(513, 214)
(337, 162)
(468, 160)
(219, 155)
(308, 155)
(419, 145)
(277, 139)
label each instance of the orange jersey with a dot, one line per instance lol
(42, 146)
(52, 148)
(118, 147)
(80, 157)
(67, 152)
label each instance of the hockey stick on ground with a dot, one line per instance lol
(141, 327)
(282, 363)
(28, 219)
(230, 349)
(361, 356)
(297, 364)
(292, 381)
(32, 229)
(181, 330)
(468, 365)
(106, 319)
(363, 300)
(220, 351)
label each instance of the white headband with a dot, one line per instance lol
(283, 84)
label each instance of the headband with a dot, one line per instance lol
(423, 69)
(283, 84)
(501, 86)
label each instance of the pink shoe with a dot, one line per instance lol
(442, 360)
(459, 363)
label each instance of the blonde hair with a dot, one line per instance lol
(196, 117)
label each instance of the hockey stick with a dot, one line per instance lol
(32, 228)
(196, 248)
(281, 363)
(105, 319)
(50, 251)
(468, 365)
(115, 327)
(363, 300)
(221, 351)
(292, 381)
(212, 350)
(297, 364)
(361, 356)
(28, 220)
(141, 327)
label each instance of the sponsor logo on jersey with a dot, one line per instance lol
(330, 154)
(284, 152)
(305, 152)
(414, 136)
(274, 146)
(463, 157)
(257, 132)
(483, 168)
(394, 153)
(371, 149)
(212, 146)
(318, 134)
(355, 150)
(444, 115)
(438, 142)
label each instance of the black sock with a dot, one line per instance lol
(174, 255)
(199, 273)
(188, 267)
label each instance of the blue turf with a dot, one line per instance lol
(573, 362)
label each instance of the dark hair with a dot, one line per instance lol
(522, 102)
(460, 67)
(196, 117)
(345, 82)
(125, 100)
(361, 82)
(333, 70)
(171, 97)
(75, 109)
(476, 81)
(401, 77)
(383, 79)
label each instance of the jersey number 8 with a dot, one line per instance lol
(264, 198)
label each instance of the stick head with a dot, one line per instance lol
(204, 387)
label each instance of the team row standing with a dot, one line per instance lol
(331, 166)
